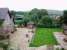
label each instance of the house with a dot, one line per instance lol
(55, 13)
(7, 25)
(18, 19)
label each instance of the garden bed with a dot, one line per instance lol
(44, 36)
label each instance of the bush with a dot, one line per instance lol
(48, 25)
(1, 21)
(4, 46)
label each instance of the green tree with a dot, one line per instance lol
(65, 17)
(33, 14)
(37, 14)
(46, 20)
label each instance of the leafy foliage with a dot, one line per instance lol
(1, 21)
(65, 17)
(40, 17)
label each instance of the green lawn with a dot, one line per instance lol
(44, 36)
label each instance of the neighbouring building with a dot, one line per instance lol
(18, 19)
(7, 25)
(54, 13)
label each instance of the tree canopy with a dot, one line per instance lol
(39, 17)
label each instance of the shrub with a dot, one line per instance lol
(48, 25)
(1, 21)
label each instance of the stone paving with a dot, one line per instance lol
(60, 36)
(19, 39)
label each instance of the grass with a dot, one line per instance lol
(44, 36)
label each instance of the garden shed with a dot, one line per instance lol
(30, 25)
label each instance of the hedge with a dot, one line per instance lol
(49, 25)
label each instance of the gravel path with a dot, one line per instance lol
(19, 40)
